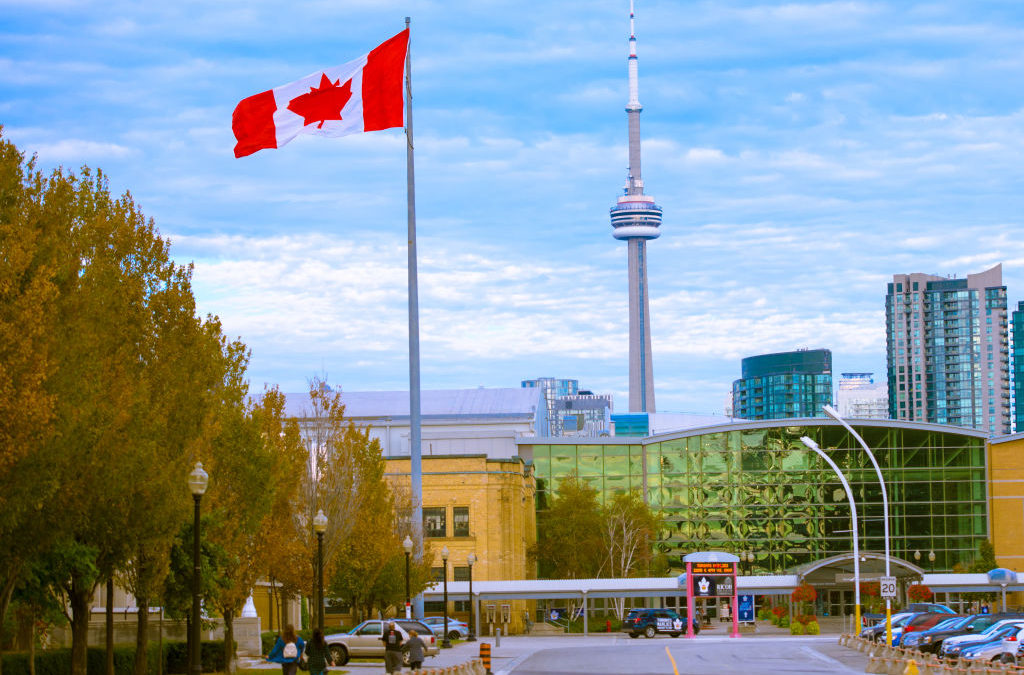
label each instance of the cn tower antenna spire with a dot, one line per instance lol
(637, 219)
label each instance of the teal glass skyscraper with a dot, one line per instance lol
(783, 385)
(1018, 368)
(947, 350)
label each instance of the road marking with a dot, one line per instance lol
(674, 669)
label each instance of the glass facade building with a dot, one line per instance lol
(755, 487)
(783, 385)
(947, 350)
(1018, 368)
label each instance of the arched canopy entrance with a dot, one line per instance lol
(837, 571)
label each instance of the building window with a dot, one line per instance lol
(434, 522)
(433, 606)
(461, 605)
(437, 573)
(461, 573)
(460, 521)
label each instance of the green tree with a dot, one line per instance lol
(570, 542)
(628, 534)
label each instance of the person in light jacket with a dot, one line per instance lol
(416, 648)
(287, 651)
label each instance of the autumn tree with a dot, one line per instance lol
(570, 533)
(628, 532)
(258, 454)
(129, 372)
(29, 240)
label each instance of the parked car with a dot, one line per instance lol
(992, 650)
(877, 632)
(456, 629)
(364, 641)
(922, 622)
(932, 641)
(929, 607)
(952, 647)
(914, 640)
(650, 622)
(1011, 647)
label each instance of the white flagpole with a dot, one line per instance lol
(415, 456)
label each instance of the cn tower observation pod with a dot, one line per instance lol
(636, 217)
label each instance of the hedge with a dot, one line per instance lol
(58, 661)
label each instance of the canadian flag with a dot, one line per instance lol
(362, 95)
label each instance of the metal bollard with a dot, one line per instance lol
(497, 637)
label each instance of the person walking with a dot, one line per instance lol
(392, 640)
(318, 655)
(416, 648)
(287, 651)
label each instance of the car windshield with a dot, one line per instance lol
(949, 623)
(994, 628)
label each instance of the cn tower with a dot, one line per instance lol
(636, 218)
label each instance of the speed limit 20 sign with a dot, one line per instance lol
(887, 587)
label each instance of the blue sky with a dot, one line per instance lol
(803, 153)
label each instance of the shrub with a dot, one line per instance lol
(919, 593)
(783, 622)
(58, 661)
(813, 628)
(796, 628)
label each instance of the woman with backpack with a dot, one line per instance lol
(318, 653)
(287, 651)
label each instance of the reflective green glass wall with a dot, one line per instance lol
(761, 490)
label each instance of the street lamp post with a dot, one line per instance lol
(197, 482)
(320, 526)
(831, 412)
(856, 538)
(931, 560)
(472, 633)
(407, 545)
(445, 643)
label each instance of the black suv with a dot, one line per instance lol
(650, 622)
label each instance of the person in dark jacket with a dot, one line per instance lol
(392, 640)
(287, 650)
(416, 648)
(318, 654)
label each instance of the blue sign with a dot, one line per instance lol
(746, 608)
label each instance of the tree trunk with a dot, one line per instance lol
(110, 626)
(32, 647)
(5, 602)
(142, 637)
(229, 641)
(79, 598)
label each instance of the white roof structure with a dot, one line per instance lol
(536, 589)
(454, 421)
(496, 402)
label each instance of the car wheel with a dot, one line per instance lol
(634, 635)
(454, 635)
(674, 634)
(650, 632)
(696, 629)
(339, 654)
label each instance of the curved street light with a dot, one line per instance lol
(853, 510)
(831, 412)
(407, 545)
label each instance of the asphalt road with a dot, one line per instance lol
(718, 656)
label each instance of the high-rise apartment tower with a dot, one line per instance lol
(1018, 368)
(783, 385)
(947, 350)
(637, 219)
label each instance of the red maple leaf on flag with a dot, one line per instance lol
(322, 103)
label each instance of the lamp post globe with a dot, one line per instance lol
(407, 545)
(198, 479)
(320, 526)
(472, 632)
(445, 642)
